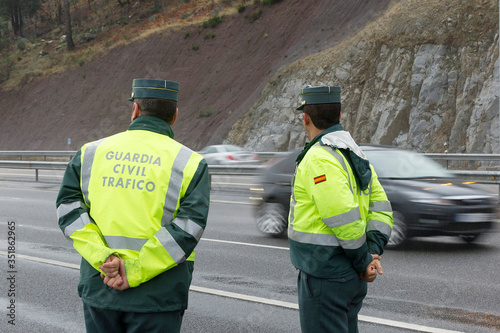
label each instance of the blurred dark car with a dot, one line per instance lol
(228, 155)
(427, 200)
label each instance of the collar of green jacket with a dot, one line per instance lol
(334, 128)
(359, 164)
(153, 124)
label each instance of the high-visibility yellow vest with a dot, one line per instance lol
(330, 214)
(132, 184)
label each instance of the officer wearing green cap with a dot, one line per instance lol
(340, 218)
(135, 205)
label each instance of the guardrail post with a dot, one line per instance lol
(36, 174)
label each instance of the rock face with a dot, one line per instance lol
(419, 88)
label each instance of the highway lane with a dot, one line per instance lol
(437, 283)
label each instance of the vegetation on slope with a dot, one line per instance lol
(34, 42)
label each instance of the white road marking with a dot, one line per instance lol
(295, 306)
(246, 244)
(243, 297)
(255, 299)
(43, 260)
(233, 184)
(233, 202)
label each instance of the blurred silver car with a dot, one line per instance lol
(228, 155)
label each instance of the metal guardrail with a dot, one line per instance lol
(37, 152)
(36, 165)
(464, 157)
(33, 165)
(479, 175)
(484, 176)
(242, 170)
(20, 154)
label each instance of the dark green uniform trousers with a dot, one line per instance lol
(329, 305)
(110, 321)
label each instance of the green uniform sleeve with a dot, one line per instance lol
(329, 189)
(175, 242)
(379, 220)
(74, 220)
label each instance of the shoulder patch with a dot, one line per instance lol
(319, 179)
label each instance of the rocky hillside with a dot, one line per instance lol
(221, 69)
(414, 73)
(423, 74)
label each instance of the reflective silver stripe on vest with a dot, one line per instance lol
(169, 243)
(122, 242)
(380, 206)
(88, 161)
(190, 227)
(315, 239)
(174, 185)
(374, 225)
(77, 224)
(66, 208)
(343, 219)
(292, 209)
(353, 244)
(342, 163)
(293, 202)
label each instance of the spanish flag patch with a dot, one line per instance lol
(319, 179)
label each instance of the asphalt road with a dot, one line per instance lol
(244, 281)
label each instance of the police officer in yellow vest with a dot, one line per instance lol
(135, 205)
(340, 219)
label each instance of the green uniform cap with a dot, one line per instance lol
(319, 95)
(150, 88)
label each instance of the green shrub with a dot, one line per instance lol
(213, 21)
(241, 9)
(209, 36)
(187, 34)
(21, 45)
(270, 2)
(205, 113)
(195, 47)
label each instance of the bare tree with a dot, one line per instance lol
(59, 14)
(69, 33)
(16, 11)
(121, 3)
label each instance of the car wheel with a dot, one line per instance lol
(272, 219)
(399, 230)
(469, 238)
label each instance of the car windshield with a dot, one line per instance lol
(231, 148)
(404, 164)
(208, 150)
